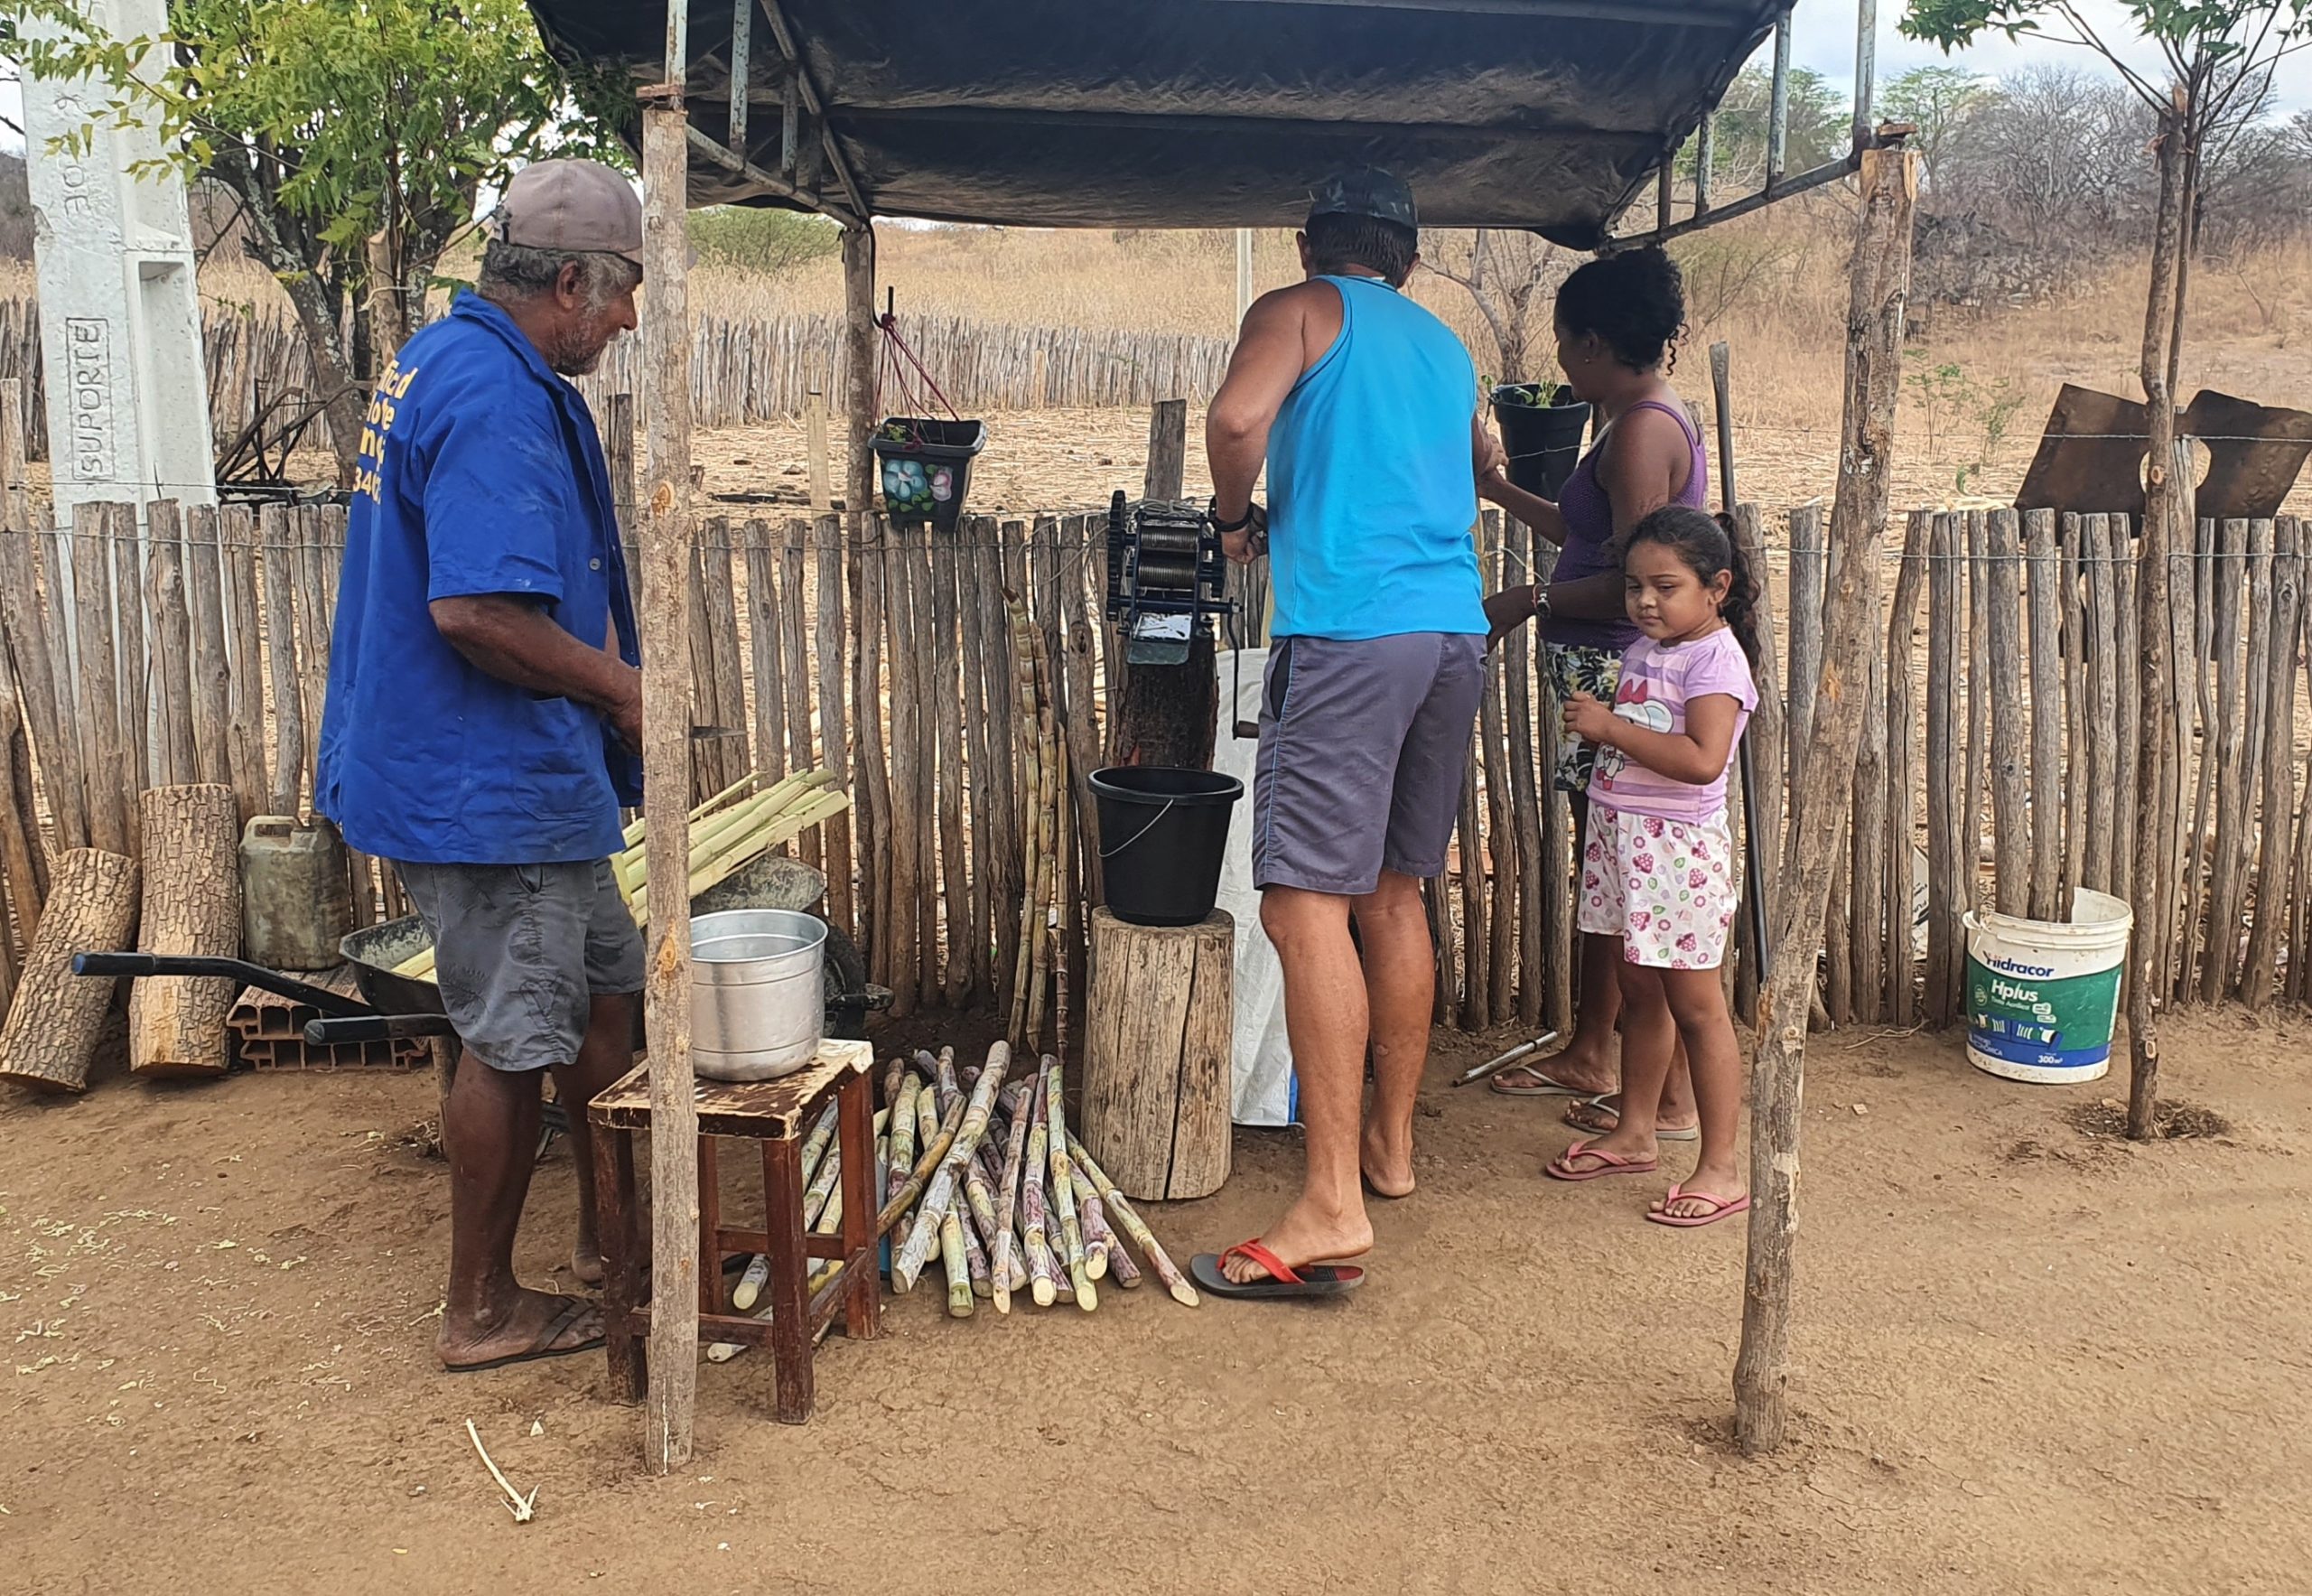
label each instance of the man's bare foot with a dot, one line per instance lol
(1388, 1167)
(1582, 1067)
(528, 1324)
(1600, 1117)
(1306, 1235)
(1711, 1187)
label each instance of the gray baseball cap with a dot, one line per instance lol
(572, 205)
(1367, 191)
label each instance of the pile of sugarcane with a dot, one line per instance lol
(982, 1174)
(728, 832)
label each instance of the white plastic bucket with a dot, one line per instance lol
(2042, 996)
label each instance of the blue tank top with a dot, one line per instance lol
(1370, 492)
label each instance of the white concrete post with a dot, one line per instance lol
(120, 318)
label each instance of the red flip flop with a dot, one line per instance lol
(1614, 1165)
(1720, 1208)
(1310, 1280)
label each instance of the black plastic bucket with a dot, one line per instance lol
(1162, 833)
(1543, 441)
(925, 469)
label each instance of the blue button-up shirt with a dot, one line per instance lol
(480, 473)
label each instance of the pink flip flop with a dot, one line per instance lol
(1720, 1208)
(1614, 1164)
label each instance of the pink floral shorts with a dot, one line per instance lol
(1666, 888)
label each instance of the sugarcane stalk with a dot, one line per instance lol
(942, 1075)
(1041, 1274)
(1047, 879)
(974, 1250)
(1007, 1246)
(1099, 1235)
(939, 1196)
(940, 1139)
(951, 1257)
(758, 1272)
(1025, 651)
(816, 1194)
(927, 1124)
(1121, 1212)
(903, 1127)
(725, 1351)
(979, 1196)
(1071, 1231)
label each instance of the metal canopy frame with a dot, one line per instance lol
(810, 149)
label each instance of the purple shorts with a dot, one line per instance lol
(1363, 747)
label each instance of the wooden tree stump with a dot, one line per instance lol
(52, 1026)
(192, 905)
(1158, 1050)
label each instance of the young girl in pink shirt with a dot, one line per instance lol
(1658, 866)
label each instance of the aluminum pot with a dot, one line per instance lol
(757, 997)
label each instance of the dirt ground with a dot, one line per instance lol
(2029, 1359)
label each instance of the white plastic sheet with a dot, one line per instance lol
(1266, 1092)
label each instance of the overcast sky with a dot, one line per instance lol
(1823, 38)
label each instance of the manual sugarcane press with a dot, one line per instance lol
(1166, 577)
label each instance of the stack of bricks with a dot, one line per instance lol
(269, 1033)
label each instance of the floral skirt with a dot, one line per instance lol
(1666, 888)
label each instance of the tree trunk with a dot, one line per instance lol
(1881, 284)
(1157, 1086)
(52, 1026)
(192, 905)
(2166, 497)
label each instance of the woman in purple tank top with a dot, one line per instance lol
(1619, 319)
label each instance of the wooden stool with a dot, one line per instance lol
(1159, 1055)
(778, 1114)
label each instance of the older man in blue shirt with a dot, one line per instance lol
(484, 704)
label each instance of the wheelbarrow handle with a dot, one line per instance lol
(235, 969)
(376, 1028)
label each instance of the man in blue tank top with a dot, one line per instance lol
(1362, 405)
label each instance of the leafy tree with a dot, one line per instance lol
(2218, 58)
(356, 136)
(1817, 127)
(1939, 101)
(761, 239)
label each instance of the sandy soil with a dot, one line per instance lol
(2031, 1359)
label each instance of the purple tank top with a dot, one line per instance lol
(1590, 526)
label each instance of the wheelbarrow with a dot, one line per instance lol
(394, 1006)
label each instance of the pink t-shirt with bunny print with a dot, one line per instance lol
(1658, 681)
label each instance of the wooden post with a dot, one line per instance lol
(281, 659)
(236, 548)
(2207, 544)
(2230, 781)
(1880, 283)
(130, 663)
(1501, 815)
(1476, 984)
(1167, 457)
(211, 709)
(1156, 1056)
(2076, 735)
(763, 645)
(667, 722)
(2003, 633)
(814, 450)
(1805, 657)
(2129, 680)
(41, 668)
(795, 648)
(834, 740)
(1945, 888)
(947, 767)
(1867, 841)
(1902, 769)
(2273, 900)
(876, 830)
(2040, 554)
(1534, 882)
(171, 645)
(23, 864)
(104, 766)
(902, 860)
(859, 371)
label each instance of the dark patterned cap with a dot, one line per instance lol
(1365, 191)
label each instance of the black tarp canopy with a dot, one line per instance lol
(1544, 114)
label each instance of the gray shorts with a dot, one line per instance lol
(520, 951)
(1363, 747)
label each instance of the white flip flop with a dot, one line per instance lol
(1691, 1132)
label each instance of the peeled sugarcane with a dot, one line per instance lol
(1120, 1208)
(975, 1252)
(903, 1127)
(725, 1351)
(1025, 650)
(926, 1163)
(1007, 1245)
(758, 1273)
(1071, 1232)
(1100, 1239)
(940, 1196)
(928, 1122)
(1041, 1276)
(818, 1195)
(979, 1218)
